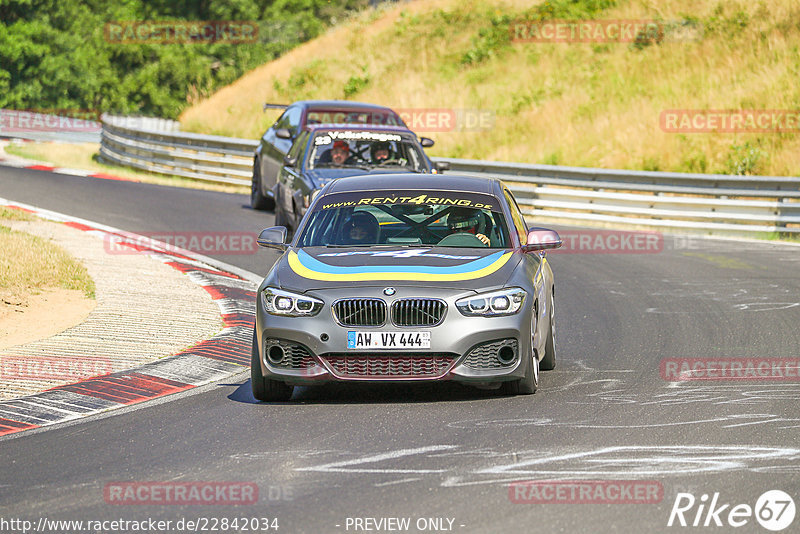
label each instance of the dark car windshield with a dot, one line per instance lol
(433, 218)
(365, 149)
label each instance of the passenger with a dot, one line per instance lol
(338, 155)
(380, 152)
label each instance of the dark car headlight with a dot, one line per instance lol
(288, 304)
(495, 303)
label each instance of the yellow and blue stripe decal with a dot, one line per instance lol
(307, 266)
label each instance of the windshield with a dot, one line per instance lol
(437, 218)
(365, 149)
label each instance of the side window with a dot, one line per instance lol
(517, 217)
(293, 119)
(297, 148)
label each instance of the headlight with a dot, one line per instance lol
(288, 304)
(503, 302)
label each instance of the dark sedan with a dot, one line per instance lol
(277, 140)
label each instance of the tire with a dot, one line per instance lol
(280, 217)
(549, 360)
(529, 383)
(264, 389)
(257, 199)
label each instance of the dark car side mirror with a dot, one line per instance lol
(426, 142)
(542, 239)
(289, 161)
(441, 166)
(273, 237)
(283, 133)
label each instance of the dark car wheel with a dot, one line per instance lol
(265, 389)
(280, 217)
(257, 199)
(549, 360)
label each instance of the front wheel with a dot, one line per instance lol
(265, 389)
(549, 359)
(529, 383)
(257, 199)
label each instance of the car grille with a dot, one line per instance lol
(360, 312)
(484, 356)
(418, 312)
(389, 366)
(296, 356)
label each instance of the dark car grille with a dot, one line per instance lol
(360, 312)
(390, 366)
(418, 312)
(295, 356)
(485, 356)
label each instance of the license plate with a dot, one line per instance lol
(388, 340)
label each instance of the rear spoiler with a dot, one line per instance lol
(267, 106)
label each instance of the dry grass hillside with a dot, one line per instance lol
(559, 103)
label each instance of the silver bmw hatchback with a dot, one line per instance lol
(406, 277)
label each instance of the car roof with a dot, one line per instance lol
(340, 104)
(359, 127)
(423, 182)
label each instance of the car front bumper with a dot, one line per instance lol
(474, 350)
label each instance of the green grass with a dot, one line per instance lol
(584, 104)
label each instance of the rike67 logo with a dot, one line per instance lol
(774, 510)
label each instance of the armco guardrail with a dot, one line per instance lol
(708, 202)
(699, 202)
(134, 143)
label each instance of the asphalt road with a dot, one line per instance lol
(442, 455)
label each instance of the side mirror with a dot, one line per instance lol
(426, 142)
(289, 161)
(283, 133)
(441, 166)
(542, 239)
(273, 237)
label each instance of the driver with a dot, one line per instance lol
(467, 220)
(360, 229)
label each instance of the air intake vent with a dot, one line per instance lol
(418, 312)
(360, 312)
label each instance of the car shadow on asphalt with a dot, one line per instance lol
(339, 393)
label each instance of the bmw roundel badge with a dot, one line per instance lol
(389, 291)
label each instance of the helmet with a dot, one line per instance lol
(380, 145)
(464, 220)
(360, 228)
(341, 145)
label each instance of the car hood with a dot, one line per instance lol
(322, 176)
(313, 268)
